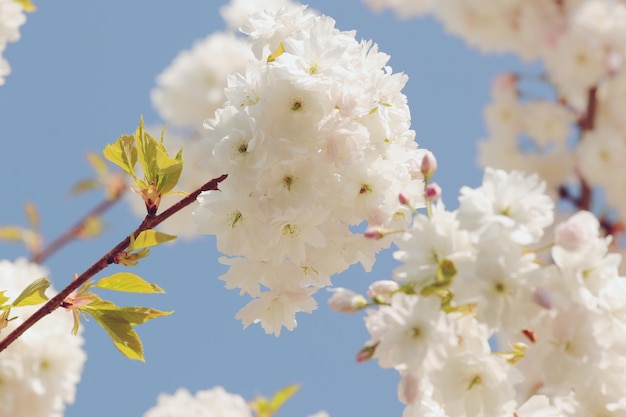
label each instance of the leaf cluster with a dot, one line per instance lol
(161, 172)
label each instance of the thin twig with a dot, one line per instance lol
(74, 231)
(148, 223)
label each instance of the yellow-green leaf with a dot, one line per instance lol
(83, 186)
(140, 315)
(123, 153)
(92, 227)
(119, 330)
(282, 396)
(3, 299)
(32, 215)
(11, 233)
(125, 281)
(149, 238)
(27, 5)
(98, 164)
(33, 294)
(267, 408)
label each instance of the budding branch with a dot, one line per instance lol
(149, 222)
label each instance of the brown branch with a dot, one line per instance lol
(586, 123)
(74, 231)
(148, 223)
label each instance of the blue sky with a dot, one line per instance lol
(82, 74)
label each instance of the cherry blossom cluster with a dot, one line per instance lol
(555, 305)
(190, 90)
(11, 18)
(40, 371)
(570, 130)
(315, 139)
(208, 403)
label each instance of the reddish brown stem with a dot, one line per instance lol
(148, 223)
(74, 231)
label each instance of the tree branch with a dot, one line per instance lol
(149, 222)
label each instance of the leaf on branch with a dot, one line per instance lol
(118, 322)
(32, 215)
(149, 238)
(92, 227)
(282, 396)
(264, 407)
(98, 164)
(158, 166)
(3, 301)
(123, 153)
(83, 186)
(27, 5)
(120, 331)
(125, 281)
(11, 233)
(33, 294)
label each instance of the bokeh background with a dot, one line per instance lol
(82, 74)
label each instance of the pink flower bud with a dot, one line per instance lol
(429, 164)
(346, 301)
(366, 353)
(374, 232)
(432, 192)
(404, 200)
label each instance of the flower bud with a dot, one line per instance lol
(403, 199)
(374, 232)
(432, 192)
(381, 291)
(366, 353)
(346, 301)
(429, 164)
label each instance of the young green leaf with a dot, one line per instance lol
(33, 294)
(11, 233)
(149, 238)
(264, 407)
(84, 186)
(3, 300)
(140, 315)
(125, 281)
(123, 153)
(119, 330)
(282, 396)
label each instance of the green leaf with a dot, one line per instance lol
(125, 281)
(140, 315)
(267, 408)
(3, 300)
(83, 186)
(27, 5)
(123, 153)
(32, 215)
(119, 330)
(149, 238)
(33, 294)
(133, 315)
(282, 396)
(146, 152)
(11, 233)
(98, 164)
